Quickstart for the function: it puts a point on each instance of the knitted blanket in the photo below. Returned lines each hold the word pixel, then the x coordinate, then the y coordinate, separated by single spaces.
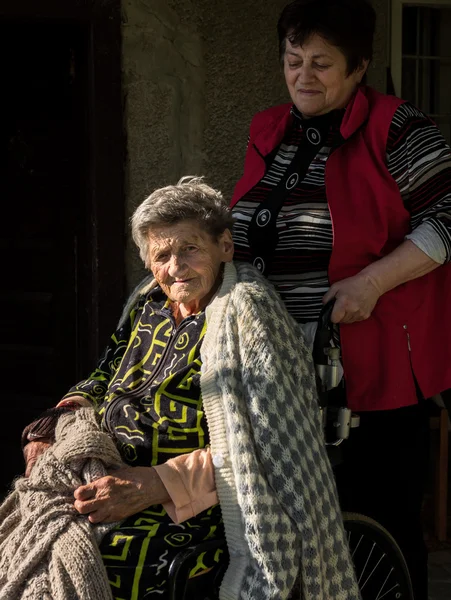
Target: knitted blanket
pixel 48 551
pixel 274 481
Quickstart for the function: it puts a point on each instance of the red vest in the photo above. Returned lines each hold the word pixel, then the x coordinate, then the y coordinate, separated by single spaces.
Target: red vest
pixel 369 221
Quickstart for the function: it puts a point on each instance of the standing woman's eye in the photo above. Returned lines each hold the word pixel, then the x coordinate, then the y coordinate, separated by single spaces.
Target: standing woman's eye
pixel 321 67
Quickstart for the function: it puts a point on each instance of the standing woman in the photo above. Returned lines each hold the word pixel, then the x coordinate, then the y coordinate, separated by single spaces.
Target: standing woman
pixel 346 194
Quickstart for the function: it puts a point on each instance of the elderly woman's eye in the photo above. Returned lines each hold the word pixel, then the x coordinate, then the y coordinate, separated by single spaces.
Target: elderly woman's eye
pixel 191 249
pixel 294 65
pixel 320 66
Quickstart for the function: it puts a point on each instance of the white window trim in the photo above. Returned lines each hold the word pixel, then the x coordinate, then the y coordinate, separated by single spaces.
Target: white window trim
pixel 396 36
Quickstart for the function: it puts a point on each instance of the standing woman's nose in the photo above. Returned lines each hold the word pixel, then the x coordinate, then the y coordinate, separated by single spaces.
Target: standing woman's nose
pixel 305 73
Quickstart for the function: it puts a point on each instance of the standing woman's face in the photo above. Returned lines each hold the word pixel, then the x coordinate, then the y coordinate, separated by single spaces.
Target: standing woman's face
pixel 316 76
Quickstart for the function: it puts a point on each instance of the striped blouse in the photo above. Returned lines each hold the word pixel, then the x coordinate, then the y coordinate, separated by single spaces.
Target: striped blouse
pixel 295 253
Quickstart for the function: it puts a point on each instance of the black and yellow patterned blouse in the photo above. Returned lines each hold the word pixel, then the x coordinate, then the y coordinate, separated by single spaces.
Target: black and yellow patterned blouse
pixel 147 389
pixel 147 385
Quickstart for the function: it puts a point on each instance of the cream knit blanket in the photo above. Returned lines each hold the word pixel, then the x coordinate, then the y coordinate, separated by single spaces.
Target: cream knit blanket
pixel 274 481
pixel 47 550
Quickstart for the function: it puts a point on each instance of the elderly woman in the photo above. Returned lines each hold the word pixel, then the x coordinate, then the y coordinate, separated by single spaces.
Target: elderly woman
pixel 207 354
pixel 346 194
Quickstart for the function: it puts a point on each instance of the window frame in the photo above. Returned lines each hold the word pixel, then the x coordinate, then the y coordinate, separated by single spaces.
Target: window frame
pixel 396 36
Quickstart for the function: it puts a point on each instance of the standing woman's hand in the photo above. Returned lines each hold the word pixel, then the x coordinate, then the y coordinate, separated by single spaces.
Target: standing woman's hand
pixel 121 494
pixel 355 298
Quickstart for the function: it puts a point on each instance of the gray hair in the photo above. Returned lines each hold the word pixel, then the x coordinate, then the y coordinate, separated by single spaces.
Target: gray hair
pixel 190 199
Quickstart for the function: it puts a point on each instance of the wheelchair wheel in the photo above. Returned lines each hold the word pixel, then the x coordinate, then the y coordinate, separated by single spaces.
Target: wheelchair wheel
pixel 380 566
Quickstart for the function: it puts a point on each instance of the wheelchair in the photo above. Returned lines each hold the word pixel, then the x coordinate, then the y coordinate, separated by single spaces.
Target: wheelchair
pixel 380 567
pixel 379 564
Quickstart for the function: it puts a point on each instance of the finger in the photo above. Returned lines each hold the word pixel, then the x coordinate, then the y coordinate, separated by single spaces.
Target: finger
pixel 338 313
pixel 34 449
pixel 85 492
pixel 329 295
pixel 347 320
pixel 100 517
pixel 31 452
pixel 84 508
pixel 354 318
pixel 29 467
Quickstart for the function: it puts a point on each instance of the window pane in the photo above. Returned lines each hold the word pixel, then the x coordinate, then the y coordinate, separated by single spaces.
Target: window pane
pixel 426 62
pixel 426 31
pixel 435 86
pixel 444 124
pixel 434 31
pixel 409 80
pixel 409 30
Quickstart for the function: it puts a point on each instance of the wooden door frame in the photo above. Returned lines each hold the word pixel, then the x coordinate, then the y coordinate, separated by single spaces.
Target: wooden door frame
pixel 101 260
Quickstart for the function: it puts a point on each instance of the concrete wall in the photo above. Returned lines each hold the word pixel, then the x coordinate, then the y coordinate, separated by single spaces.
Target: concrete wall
pixel 377 73
pixel 194 74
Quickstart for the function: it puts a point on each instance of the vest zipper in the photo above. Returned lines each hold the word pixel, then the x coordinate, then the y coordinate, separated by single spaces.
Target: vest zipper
pixel 408 337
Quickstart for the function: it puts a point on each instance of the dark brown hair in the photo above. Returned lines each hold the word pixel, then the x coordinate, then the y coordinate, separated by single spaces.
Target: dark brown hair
pixel 347 24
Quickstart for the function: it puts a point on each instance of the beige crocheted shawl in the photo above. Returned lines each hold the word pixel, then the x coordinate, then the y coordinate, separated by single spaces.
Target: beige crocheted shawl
pixel 47 550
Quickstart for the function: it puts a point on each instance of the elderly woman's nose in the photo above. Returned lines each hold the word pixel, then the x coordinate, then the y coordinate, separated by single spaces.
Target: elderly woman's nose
pixel 176 265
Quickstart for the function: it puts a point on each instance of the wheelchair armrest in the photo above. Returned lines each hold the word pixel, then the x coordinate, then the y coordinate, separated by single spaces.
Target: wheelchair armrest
pixel 180 566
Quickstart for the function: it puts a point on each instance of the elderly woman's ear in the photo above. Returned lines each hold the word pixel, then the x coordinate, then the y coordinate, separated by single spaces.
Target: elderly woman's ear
pixel 225 241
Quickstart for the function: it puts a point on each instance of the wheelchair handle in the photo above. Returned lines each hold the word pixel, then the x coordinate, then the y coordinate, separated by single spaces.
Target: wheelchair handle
pixel 323 334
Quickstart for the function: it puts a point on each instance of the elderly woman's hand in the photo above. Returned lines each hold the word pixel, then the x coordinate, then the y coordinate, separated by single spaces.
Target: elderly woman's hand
pixel 32 451
pixel 121 494
pixel 355 298
pixel 40 434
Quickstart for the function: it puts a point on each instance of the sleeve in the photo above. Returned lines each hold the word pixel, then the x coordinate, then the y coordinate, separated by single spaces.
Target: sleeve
pixel 419 159
pixel 190 482
pixel 95 387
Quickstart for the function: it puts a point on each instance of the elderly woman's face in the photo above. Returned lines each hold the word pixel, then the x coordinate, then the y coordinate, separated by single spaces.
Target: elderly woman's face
pixel 185 260
pixel 316 76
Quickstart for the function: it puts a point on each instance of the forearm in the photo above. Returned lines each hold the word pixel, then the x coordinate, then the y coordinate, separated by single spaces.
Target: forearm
pixel 152 486
pixel 405 263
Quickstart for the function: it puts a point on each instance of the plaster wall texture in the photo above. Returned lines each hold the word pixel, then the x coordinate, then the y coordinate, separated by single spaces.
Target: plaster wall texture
pixel 194 73
pixel 377 72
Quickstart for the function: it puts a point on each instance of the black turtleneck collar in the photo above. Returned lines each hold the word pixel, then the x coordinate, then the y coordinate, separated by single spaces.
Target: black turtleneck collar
pixel 316 128
pixel 331 118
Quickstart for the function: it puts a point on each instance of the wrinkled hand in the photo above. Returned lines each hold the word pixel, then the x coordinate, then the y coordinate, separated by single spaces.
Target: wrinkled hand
pixel 121 494
pixel 32 451
pixel 40 434
pixel 355 298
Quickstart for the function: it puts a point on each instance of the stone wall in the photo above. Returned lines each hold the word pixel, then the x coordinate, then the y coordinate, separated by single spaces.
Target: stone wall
pixel 194 74
pixel 377 73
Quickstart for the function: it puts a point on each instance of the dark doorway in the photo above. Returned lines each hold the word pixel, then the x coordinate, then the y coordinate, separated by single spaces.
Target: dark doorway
pixel 42 144
pixel 54 275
